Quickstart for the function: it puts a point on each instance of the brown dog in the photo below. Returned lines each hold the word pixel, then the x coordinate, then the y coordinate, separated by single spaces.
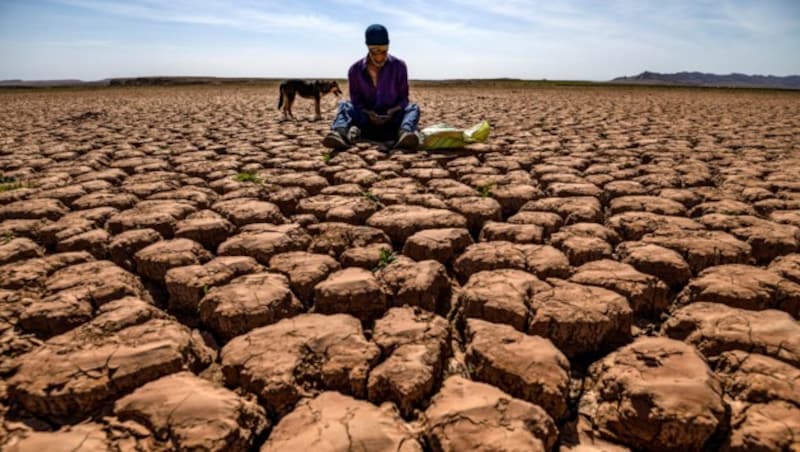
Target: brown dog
pixel 310 90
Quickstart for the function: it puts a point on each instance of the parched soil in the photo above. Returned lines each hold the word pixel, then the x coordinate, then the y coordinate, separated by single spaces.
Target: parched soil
pixel 614 269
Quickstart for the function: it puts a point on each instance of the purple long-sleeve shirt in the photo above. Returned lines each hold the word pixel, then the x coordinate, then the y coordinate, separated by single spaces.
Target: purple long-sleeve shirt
pixel 392 89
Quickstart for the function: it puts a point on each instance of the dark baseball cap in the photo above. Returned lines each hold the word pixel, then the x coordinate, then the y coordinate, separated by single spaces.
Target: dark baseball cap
pixel 377 35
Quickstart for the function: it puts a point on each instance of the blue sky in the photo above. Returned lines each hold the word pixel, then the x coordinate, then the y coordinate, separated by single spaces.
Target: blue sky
pixel 533 39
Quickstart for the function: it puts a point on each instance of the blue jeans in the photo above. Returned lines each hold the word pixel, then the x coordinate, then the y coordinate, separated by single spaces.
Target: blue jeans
pixel 348 115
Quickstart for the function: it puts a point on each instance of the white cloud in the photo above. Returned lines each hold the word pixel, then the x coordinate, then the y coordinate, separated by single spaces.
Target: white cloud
pixel 250 18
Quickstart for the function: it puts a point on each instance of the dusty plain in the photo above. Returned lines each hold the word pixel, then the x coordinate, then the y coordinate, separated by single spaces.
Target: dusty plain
pixel 615 269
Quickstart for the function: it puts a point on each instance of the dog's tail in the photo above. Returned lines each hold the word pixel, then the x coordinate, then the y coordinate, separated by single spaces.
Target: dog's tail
pixel 280 97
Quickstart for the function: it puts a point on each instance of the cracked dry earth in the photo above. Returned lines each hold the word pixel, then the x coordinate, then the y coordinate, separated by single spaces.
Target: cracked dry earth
pixel 615 269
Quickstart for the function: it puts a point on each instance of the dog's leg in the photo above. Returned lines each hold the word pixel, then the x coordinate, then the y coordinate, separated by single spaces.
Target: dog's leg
pixel 289 103
pixel 317 114
pixel 283 104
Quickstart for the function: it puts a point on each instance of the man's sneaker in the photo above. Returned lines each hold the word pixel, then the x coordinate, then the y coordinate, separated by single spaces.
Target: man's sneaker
pixel 407 140
pixel 353 134
pixel 334 140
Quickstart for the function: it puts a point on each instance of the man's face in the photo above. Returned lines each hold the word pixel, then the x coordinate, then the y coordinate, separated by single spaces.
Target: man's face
pixel 378 54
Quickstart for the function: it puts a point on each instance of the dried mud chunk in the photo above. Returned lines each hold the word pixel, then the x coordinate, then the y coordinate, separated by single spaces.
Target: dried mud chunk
pixel 159 215
pixel 415 343
pixel 209 232
pixel 570 189
pixel 725 207
pixel 745 287
pixel 56 314
pixel 508 232
pixel 19 249
pixel 791 217
pixel 199 197
pixel 545 261
pixel 702 249
pixel 119 201
pixel 438 244
pixel 656 394
pixel 298 357
pixel 619 188
pixel 576 209
pixel 594 230
pixel 653 204
pixel 477 210
pixel 501 296
pixel 550 222
pixel 512 197
pixel 788 267
pixel 580 250
pixel 354 291
pixel 262 241
pixel 193 413
pixel 248 302
pixel 334 422
pixel 334 238
pixel 767 239
pixel 347 209
pixel 304 270
pixel 287 199
pixel 311 182
pixel 716 328
pixel 401 221
pixel 406 377
pixel 128 344
pixel 81 437
pixel 449 188
pixel 33 209
pixel 663 263
pixel 68 226
pixel 530 368
pixel 685 196
pixel 29 229
pixel 424 284
pixel 94 242
pixel 32 271
pixel 466 415
pixel 646 294
pixel 580 319
pixel 187 285
pixel 764 427
pixel 489 256
pixel 370 257
pixel 359 176
pixel 67 195
pixel 124 246
pixel 755 378
pixel 247 211
pixel 154 260
pixel 635 225
pixel 101 280
pixel 410 325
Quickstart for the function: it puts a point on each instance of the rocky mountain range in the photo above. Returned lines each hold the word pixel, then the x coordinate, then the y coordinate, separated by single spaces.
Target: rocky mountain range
pixel 712 80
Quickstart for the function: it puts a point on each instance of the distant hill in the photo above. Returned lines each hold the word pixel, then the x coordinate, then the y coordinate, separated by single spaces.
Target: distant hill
pixel 47 83
pixel 134 81
pixel 713 80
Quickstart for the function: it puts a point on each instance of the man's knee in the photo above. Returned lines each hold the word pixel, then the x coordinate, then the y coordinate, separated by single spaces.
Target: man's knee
pixel 345 105
pixel 412 107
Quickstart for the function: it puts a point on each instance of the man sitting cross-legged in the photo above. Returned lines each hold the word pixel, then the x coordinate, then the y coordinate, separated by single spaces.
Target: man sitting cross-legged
pixel 378 108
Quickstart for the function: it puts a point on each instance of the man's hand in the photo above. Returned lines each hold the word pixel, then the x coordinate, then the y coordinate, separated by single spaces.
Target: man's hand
pixel 376 119
pixel 391 112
